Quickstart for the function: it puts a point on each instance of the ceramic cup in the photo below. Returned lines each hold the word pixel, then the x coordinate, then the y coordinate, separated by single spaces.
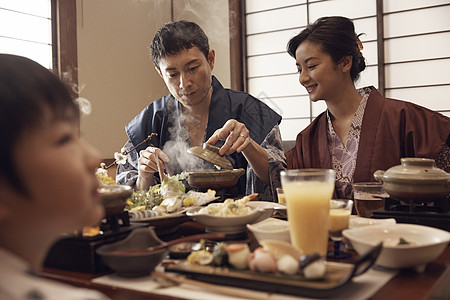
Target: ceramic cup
pixel 368 196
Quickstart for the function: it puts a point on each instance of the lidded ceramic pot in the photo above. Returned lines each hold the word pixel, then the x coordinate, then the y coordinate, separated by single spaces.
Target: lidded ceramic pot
pixel 416 179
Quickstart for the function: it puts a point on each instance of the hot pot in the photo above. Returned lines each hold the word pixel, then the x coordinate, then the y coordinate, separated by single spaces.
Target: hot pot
pixel 214 179
pixel 416 179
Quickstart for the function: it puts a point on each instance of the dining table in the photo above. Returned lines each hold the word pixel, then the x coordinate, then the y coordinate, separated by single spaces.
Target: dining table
pixel 432 283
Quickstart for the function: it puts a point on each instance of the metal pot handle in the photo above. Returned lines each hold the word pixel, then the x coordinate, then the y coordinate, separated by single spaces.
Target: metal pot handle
pixel 378 175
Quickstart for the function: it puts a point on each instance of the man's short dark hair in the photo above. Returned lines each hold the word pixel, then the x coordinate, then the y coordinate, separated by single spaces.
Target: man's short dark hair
pixel 175 37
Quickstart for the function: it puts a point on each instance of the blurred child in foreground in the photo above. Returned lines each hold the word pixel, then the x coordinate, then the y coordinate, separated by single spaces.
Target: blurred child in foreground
pixel 47 178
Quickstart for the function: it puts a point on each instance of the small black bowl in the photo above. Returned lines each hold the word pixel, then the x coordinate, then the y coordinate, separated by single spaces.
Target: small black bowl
pixel 181 250
pixel 137 264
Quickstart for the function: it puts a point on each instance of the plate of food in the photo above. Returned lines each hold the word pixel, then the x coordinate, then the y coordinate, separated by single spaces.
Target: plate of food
pixel 230 216
pixel 171 206
pixel 164 205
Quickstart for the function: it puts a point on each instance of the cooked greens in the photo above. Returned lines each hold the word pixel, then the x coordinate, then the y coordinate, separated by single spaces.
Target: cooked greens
pixel 171 186
pixel 146 199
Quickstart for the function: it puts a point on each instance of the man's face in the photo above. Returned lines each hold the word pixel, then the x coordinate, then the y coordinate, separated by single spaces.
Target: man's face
pixel 188 75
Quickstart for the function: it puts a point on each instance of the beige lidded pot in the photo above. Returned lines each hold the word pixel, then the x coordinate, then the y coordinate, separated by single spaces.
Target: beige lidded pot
pixel 416 179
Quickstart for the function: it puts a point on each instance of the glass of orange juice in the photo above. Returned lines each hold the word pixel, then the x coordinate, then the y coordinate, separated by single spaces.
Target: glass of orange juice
pixel 340 211
pixel 308 193
pixel 280 195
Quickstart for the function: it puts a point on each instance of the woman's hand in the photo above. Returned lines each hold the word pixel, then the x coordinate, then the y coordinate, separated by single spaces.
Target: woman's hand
pixel 151 160
pixel 235 135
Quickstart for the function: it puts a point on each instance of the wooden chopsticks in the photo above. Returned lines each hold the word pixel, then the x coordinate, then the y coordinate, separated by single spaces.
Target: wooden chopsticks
pixel 216 288
pixel 161 170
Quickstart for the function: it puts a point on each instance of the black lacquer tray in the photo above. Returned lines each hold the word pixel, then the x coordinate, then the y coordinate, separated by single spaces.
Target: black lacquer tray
pixel 337 275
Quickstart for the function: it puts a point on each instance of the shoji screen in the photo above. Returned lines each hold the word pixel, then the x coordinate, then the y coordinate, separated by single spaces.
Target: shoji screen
pixel 417 52
pixel 26 29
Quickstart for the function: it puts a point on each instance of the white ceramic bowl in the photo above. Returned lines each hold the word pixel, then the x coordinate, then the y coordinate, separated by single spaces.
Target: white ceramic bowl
pixel 265 205
pixel 279 210
pixel 425 244
pixel 357 221
pixel 228 225
pixel 271 229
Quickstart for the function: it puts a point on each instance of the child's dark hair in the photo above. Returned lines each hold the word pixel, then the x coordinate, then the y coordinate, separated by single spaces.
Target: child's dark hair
pixel 29 95
pixel 175 37
pixel 336 36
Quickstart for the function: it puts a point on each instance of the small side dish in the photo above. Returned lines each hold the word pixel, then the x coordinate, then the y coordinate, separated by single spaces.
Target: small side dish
pixel 133 265
pixel 270 229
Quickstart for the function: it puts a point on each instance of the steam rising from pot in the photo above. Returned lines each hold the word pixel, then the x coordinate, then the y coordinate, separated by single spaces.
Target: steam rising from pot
pixel 177 147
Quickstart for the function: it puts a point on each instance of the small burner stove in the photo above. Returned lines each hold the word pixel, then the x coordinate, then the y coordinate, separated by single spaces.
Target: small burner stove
pixel 434 214
pixel 77 252
pixel 115 224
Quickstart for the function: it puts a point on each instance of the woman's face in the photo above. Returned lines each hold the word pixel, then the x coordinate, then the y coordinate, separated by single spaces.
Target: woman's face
pixel 318 73
pixel 188 75
pixel 58 170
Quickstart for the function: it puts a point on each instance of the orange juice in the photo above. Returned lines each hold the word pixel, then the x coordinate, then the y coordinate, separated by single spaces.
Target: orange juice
pixel 339 219
pixel 281 197
pixel 308 207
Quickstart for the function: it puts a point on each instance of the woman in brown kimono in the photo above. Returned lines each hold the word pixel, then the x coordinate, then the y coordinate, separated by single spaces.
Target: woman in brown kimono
pixel 361 131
